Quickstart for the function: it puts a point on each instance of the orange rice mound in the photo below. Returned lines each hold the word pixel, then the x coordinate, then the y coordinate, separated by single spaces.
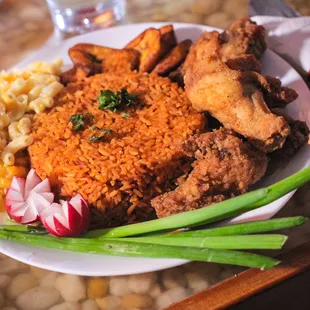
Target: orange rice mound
pixel 141 159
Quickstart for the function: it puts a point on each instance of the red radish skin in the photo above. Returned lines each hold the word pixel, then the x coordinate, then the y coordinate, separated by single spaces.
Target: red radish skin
pixel 85 215
pixel 68 218
pixel 74 217
pixel 31 200
pixel 61 230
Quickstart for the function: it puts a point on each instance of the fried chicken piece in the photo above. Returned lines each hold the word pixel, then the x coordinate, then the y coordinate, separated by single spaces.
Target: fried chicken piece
pixel 243 37
pixel 242 45
pixel 275 94
pixel 241 48
pixel 244 63
pixel 298 138
pixel 231 96
pixel 225 166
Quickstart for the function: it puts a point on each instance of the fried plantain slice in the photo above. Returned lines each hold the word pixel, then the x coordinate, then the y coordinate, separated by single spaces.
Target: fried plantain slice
pixel 153 44
pixel 168 38
pixel 135 42
pixel 109 59
pixel 77 73
pixel 174 58
pixel 148 44
pixel 177 75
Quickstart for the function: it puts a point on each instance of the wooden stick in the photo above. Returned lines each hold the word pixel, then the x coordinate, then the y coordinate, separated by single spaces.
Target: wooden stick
pixel 248 283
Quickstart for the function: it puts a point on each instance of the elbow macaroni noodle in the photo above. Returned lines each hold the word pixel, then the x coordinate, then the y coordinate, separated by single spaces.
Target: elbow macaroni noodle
pixel 22 92
pixel 13 147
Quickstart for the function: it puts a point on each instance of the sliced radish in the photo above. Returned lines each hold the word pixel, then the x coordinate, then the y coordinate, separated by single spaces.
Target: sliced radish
pixel 31 200
pixel 32 181
pixel 26 199
pixel 36 202
pixel 42 187
pixel 48 196
pixel 67 218
pixel 18 184
pixel 14 195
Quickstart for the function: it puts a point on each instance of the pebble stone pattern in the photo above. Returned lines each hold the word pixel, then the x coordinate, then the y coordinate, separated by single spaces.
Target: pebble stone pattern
pixel 25 26
pixel 24 287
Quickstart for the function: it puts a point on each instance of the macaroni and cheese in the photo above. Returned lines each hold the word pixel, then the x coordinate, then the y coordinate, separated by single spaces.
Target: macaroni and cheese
pixel 22 93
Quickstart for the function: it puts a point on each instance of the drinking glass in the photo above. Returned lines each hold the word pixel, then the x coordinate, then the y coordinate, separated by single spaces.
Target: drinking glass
pixel 79 16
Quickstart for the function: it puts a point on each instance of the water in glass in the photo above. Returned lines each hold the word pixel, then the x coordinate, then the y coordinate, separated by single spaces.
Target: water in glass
pixel 80 16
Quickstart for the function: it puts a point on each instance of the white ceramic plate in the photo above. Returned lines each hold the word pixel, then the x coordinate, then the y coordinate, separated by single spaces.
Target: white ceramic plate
pixel 102 265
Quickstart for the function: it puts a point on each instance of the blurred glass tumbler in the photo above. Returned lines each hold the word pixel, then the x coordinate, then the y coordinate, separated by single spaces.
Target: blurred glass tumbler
pixel 80 16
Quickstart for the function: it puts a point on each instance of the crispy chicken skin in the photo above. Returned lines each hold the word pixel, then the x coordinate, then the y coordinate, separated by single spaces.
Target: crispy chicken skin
pixel 298 138
pixel 225 166
pixel 275 95
pixel 231 96
pixel 243 37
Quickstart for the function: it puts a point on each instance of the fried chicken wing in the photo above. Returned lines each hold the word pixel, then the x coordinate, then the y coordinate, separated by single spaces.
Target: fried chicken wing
pixel 231 96
pixel 243 37
pixel 298 138
pixel 275 95
pixel 244 63
pixel 242 46
pixel 225 166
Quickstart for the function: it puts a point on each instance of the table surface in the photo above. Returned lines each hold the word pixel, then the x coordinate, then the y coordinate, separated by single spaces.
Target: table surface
pixel 24 27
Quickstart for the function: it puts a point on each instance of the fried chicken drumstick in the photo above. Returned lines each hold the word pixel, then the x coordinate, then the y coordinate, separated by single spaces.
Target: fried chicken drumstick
pixel 222 77
pixel 225 166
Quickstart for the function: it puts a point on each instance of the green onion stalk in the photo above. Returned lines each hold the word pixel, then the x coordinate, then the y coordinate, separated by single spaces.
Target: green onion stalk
pixel 252 242
pixel 226 209
pixel 122 247
pixel 213 213
pixel 244 229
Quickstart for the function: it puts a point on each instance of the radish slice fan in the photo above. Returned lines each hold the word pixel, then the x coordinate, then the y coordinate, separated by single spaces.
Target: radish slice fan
pixel 31 200
pixel 67 218
pixel 26 199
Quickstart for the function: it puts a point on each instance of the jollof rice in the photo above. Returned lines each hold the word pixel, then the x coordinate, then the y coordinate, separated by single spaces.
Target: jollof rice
pixel 140 160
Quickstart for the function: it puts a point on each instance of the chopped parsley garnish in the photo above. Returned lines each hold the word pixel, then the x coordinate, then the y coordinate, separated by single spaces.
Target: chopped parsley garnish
pixel 102 132
pixel 80 120
pixel 108 100
pixel 125 115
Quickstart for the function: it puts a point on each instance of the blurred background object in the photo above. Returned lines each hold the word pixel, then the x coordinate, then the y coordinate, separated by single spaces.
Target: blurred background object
pixel 26 25
pixel 79 16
